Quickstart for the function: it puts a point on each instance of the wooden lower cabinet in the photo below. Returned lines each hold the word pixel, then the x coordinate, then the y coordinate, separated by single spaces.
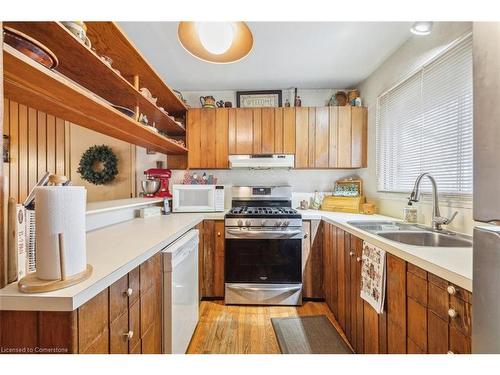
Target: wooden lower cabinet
pixel 211 265
pixel 124 318
pixel 312 259
pixel 423 313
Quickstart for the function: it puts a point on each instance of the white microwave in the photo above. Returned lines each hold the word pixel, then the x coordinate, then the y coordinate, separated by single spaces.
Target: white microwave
pixel 197 198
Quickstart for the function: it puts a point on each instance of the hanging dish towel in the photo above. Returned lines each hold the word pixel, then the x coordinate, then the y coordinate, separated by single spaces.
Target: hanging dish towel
pixel 373 276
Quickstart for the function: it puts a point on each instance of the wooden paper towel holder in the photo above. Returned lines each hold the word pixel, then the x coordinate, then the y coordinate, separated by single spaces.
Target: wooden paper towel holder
pixel 32 284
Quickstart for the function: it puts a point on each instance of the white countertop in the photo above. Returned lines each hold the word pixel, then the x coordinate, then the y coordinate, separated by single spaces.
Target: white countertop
pixel 118 204
pixel 115 250
pixel 451 263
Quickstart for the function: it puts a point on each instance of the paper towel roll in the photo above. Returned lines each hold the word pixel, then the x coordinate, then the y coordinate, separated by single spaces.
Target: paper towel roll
pixel 60 209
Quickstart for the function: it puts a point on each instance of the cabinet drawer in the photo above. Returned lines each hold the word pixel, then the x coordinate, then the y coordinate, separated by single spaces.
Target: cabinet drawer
pixel 438 301
pixel 417 271
pixel 118 299
pixel 134 285
pixel 437 281
pixel 417 288
pixel 150 271
pixel 462 319
pixel 118 341
pixel 460 293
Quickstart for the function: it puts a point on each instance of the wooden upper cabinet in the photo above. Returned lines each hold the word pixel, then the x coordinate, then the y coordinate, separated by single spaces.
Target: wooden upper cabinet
pixel 331 137
pixel 207 138
pixel 320 137
pixel 302 137
pixel 221 138
pixel 244 131
pixel 267 131
pixel 288 130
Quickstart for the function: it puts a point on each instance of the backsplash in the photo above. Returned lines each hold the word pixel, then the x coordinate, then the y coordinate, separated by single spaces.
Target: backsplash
pixel 300 180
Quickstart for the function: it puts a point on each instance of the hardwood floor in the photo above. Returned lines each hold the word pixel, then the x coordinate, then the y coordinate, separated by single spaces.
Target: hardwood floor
pixel 245 329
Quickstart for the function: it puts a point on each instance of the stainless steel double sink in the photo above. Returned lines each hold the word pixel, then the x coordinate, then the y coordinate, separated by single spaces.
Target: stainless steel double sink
pixel 413 234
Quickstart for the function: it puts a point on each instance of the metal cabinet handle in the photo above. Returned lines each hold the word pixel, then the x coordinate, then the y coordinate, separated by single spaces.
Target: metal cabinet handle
pixel 128 335
pixel 451 290
pixel 452 313
pixel 128 292
pixel 306 235
pixel 351 253
pixel 358 259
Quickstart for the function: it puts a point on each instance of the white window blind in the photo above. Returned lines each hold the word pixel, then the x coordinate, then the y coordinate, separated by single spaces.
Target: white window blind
pixel 424 124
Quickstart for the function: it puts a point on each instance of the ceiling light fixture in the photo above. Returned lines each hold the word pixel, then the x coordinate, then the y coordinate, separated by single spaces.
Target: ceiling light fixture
pixel 216 42
pixel 422 28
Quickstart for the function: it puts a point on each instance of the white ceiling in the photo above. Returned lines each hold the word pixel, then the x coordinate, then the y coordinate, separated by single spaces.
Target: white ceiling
pixel 285 54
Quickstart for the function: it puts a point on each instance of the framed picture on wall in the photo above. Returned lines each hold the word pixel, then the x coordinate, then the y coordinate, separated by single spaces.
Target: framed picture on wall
pixel 262 98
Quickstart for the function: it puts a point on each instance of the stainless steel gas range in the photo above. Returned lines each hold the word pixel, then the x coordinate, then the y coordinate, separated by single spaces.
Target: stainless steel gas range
pixel 263 250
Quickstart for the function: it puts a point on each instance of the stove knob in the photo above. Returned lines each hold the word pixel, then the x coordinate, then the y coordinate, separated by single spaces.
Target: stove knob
pixel 263 223
pixel 248 223
pixel 286 223
pixel 279 223
pixel 240 223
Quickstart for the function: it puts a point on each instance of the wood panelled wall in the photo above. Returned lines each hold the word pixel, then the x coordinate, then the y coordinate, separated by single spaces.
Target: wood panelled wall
pixel 40 142
pixel 37 145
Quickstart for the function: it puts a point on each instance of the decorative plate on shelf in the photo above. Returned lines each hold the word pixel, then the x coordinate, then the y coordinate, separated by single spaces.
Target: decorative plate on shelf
pixel 30 47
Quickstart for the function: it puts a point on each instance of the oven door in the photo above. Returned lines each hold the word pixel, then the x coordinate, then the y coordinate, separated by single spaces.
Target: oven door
pixel 263 256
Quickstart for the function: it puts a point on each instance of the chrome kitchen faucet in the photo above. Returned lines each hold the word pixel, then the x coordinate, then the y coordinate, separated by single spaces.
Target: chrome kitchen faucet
pixel 437 219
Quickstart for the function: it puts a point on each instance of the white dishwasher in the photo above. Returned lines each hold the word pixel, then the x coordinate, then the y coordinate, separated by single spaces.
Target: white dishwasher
pixel 180 292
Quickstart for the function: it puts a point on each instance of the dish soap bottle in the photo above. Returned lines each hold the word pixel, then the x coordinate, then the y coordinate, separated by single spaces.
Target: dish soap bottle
pixel 410 214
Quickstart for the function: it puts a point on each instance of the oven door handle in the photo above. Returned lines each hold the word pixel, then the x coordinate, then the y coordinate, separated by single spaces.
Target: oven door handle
pixel 275 233
pixel 256 289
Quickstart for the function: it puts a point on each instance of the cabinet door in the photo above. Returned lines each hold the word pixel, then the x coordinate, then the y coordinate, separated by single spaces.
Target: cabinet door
pixel 358 249
pixel 221 138
pixel 359 118
pixel 208 136
pixel 312 265
pixel 267 131
pixel 341 279
pixel 312 138
pixel 301 137
pixel 193 136
pixel 321 147
pixel 219 259
pixel 278 131
pixel 327 265
pixel 244 131
pixel 257 130
pixel 347 283
pixel 344 137
pixel 396 305
pixel 213 258
pixel 333 125
pixel 289 130
pixel 93 323
pixel 151 305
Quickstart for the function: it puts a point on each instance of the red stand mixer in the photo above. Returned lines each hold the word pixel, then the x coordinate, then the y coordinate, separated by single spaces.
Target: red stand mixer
pixel 156 183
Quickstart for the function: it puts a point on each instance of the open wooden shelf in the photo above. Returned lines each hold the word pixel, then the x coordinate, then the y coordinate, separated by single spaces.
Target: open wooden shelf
pixel 84 66
pixel 30 83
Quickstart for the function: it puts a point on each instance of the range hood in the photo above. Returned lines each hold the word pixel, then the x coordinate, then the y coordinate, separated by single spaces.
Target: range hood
pixel 261 161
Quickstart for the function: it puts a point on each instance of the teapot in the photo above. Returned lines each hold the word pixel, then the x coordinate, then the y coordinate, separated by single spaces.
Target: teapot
pixel 207 101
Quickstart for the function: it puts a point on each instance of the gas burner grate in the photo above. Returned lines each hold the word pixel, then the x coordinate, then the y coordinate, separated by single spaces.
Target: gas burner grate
pixel 263 211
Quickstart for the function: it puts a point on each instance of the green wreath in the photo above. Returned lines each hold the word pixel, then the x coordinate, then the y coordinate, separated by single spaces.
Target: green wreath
pixel 88 165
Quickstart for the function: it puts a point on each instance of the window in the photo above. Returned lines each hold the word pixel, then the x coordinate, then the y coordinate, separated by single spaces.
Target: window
pixel 424 124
